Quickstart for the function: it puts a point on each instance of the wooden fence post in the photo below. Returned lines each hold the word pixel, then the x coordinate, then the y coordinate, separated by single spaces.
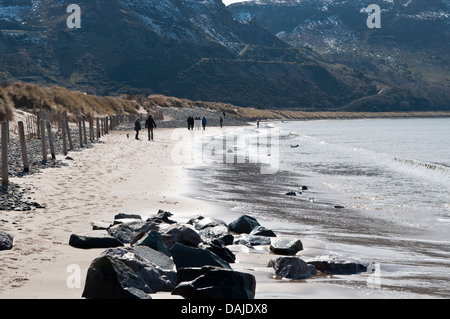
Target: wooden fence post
pixel 98 128
pixel 44 145
pixel 23 147
pixel 80 132
pixel 84 131
pixel 50 140
pixel 91 128
pixel 38 126
pixel 64 137
pixel 5 180
pixel 69 135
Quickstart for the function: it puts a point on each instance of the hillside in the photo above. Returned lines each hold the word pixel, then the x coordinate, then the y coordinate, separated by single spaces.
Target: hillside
pixel 195 50
pixel 409 53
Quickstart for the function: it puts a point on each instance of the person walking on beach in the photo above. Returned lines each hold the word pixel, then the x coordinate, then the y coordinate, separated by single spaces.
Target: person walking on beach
pixel 150 124
pixel 137 127
pixel 221 121
pixel 190 122
pixel 204 122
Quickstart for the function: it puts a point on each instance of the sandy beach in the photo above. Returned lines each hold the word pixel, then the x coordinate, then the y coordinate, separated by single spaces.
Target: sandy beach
pixel 123 175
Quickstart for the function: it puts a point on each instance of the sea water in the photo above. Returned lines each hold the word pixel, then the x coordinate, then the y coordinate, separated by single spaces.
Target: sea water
pixel 377 190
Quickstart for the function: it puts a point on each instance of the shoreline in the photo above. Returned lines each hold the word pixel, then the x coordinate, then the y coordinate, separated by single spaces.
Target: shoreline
pixel 92 187
pixel 122 175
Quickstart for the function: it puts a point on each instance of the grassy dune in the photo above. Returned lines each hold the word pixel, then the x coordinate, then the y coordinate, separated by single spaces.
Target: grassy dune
pixel 31 97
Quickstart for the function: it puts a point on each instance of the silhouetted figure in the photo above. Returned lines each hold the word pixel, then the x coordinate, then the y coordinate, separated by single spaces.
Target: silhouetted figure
pixel 221 121
pixel 137 127
pixel 190 122
pixel 150 124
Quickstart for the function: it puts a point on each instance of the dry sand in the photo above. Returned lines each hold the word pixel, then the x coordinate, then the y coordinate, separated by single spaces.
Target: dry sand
pixel 118 175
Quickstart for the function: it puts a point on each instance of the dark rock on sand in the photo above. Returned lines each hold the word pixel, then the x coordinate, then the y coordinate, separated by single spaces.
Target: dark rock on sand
pixel 148 226
pixel 285 246
pixel 96 225
pixel 159 259
pixel 182 234
pixel 6 241
pixel 218 248
pixel 304 188
pixel 147 268
pixel 127 216
pixel 338 267
pixel 111 278
pixel 251 240
pixel 292 268
pixel 209 222
pixel 185 256
pixel 291 194
pixel 215 283
pixel 220 232
pixel 244 224
pixel 126 231
pixel 154 240
pixel 89 242
pixel 262 231
pixel 162 217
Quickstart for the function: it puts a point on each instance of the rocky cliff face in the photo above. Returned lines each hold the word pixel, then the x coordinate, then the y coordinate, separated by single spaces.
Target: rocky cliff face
pixel 410 50
pixel 190 49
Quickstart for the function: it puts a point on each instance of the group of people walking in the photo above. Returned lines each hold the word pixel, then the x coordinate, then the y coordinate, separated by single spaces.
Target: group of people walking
pixel 149 124
pixel 194 123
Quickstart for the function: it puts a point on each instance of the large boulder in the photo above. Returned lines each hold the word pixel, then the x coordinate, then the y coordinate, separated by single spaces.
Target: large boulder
pixel 90 242
pixel 6 241
pixel 218 248
pixel 333 267
pixel 185 256
pixel 126 231
pixel 292 268
pixel 147 267
pixel 182 234
pixel 209 222
pixel 244 224
pixel 215 283
pixel 111 278
pixel 251 240
pixel 154 240
pixel 262 231
pixel 219 232
pixel 148 226
pixel 155 257
pixel 285 246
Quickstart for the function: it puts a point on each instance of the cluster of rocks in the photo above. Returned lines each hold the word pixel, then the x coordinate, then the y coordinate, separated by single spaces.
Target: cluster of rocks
pixel 12 197
pixel 191 260
pixel 159 254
